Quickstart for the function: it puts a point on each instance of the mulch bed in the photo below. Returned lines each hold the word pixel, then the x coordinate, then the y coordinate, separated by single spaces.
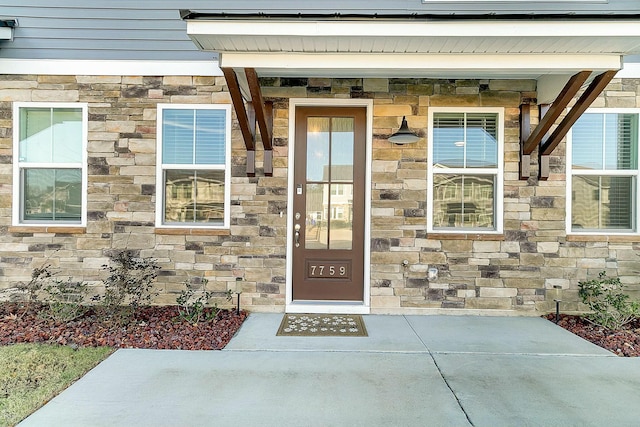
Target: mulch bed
pixel 153 327
pixel 625 342
pixel 159 328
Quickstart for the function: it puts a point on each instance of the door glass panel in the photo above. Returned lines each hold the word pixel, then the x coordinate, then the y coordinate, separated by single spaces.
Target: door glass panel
pixel 341 218
pixel 342 137
pixel 317 148
pixel 316 233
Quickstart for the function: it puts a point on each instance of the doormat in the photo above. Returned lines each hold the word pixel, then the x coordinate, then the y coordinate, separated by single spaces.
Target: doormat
pixel 322 325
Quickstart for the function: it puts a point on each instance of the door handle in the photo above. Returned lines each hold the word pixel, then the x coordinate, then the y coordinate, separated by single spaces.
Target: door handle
pixel 296 235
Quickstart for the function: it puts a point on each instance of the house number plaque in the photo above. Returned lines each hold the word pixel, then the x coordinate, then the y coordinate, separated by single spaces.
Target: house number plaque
pixel 327 269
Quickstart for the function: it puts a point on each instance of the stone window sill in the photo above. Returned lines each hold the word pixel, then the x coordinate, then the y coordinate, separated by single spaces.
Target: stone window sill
pixel 611 238
pixel 464 236
pixel 193 231
pixel 57 229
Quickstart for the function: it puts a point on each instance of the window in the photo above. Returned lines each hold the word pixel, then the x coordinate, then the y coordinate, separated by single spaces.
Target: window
pixel 194 151
pixel 603 171
pixel 50 171
pixel 466 168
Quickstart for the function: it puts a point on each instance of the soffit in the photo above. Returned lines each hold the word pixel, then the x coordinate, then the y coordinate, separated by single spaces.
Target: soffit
pixel 400 48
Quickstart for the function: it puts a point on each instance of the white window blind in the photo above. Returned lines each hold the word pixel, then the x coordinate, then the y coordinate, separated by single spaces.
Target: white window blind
pixel 605 142
pixel 604 172
pixel 465 140
pixel 195 137
pixel 465 174
pixel 193 170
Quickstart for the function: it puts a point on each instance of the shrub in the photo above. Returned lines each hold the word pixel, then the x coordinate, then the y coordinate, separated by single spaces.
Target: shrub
pixel 610 306
pixel 39 278
pixel 129 285
pixel 65 299
pixel 193 306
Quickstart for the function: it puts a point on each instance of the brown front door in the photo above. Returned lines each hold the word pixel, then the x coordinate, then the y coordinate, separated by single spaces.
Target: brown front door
pixel 328 203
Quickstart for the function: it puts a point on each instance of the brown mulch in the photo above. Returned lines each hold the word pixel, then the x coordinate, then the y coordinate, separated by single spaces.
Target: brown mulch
pixel 153 327
pixel 624 342
pixel 158 327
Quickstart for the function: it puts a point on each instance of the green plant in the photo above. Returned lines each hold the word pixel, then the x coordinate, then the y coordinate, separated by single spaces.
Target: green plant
pixel 65 299
pixel 32 289
pixel 193 306
pixel 610 306
pixel 130 283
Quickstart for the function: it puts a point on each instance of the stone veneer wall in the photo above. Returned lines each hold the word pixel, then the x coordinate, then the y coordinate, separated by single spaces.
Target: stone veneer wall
pixel 512 271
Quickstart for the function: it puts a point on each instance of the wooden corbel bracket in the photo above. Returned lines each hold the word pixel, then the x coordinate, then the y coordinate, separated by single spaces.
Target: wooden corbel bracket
pixel 547 120
pixel 264 117
pixel 256 110
pixel 245 117
pixel 549 115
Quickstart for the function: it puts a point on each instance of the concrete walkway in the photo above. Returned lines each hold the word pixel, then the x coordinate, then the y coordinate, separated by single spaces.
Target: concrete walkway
pixel 409 371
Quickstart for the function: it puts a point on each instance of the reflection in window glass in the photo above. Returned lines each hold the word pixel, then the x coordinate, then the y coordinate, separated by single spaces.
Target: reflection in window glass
pixel 464 170
pixel 602 202
pixel 52 194
pixel 465 201
pixel 316 225
pixel 341 224
pixel 317 148
pixel 602 199
pixel 193 157
pixel 50 163
pixel 342 140
pixel 329 200
pixel 194 196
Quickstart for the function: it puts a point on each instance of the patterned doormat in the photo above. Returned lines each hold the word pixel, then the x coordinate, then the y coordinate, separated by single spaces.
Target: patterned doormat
pixel 322 325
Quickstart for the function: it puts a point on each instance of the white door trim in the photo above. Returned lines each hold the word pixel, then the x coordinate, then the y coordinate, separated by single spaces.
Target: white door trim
pixel 344 307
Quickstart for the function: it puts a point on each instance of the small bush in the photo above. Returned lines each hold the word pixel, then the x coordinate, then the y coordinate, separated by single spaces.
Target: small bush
pixel 610 306
pixel 32 290
pixel 129 285
pixel 193 306
pixel 65 299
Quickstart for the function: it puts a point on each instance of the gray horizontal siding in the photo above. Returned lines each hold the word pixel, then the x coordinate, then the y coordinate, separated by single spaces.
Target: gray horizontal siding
pixel 152 29
pixel 98 30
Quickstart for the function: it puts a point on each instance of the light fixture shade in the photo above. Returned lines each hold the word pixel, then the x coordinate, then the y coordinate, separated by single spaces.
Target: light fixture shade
pixel 404 134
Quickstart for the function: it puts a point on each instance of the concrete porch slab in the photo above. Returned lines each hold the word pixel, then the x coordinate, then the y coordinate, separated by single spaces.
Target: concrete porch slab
pixel 506 335
pixel 386 334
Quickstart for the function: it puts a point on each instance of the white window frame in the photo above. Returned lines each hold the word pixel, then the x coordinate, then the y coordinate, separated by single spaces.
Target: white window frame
pixel 160 167
pixel 498 171
pixel 17 212
pixel 632 173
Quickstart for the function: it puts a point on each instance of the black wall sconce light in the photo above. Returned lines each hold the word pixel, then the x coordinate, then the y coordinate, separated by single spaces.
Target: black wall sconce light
pixel 404 135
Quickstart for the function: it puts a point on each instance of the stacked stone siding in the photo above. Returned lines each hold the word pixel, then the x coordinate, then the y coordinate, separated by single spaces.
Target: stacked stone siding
pixel 511 271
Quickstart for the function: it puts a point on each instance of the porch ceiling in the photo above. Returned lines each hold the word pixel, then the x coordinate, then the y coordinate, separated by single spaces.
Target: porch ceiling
pixel 417 48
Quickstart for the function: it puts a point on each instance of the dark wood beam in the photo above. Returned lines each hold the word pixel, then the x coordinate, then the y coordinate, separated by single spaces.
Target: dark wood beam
pixel 251 163
pixel 251 154
pixel 265 122
pixel 268 154
pixel 593 91
pixel 543 161
pixel 238 105
pixel 564 97
pixel 525 131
